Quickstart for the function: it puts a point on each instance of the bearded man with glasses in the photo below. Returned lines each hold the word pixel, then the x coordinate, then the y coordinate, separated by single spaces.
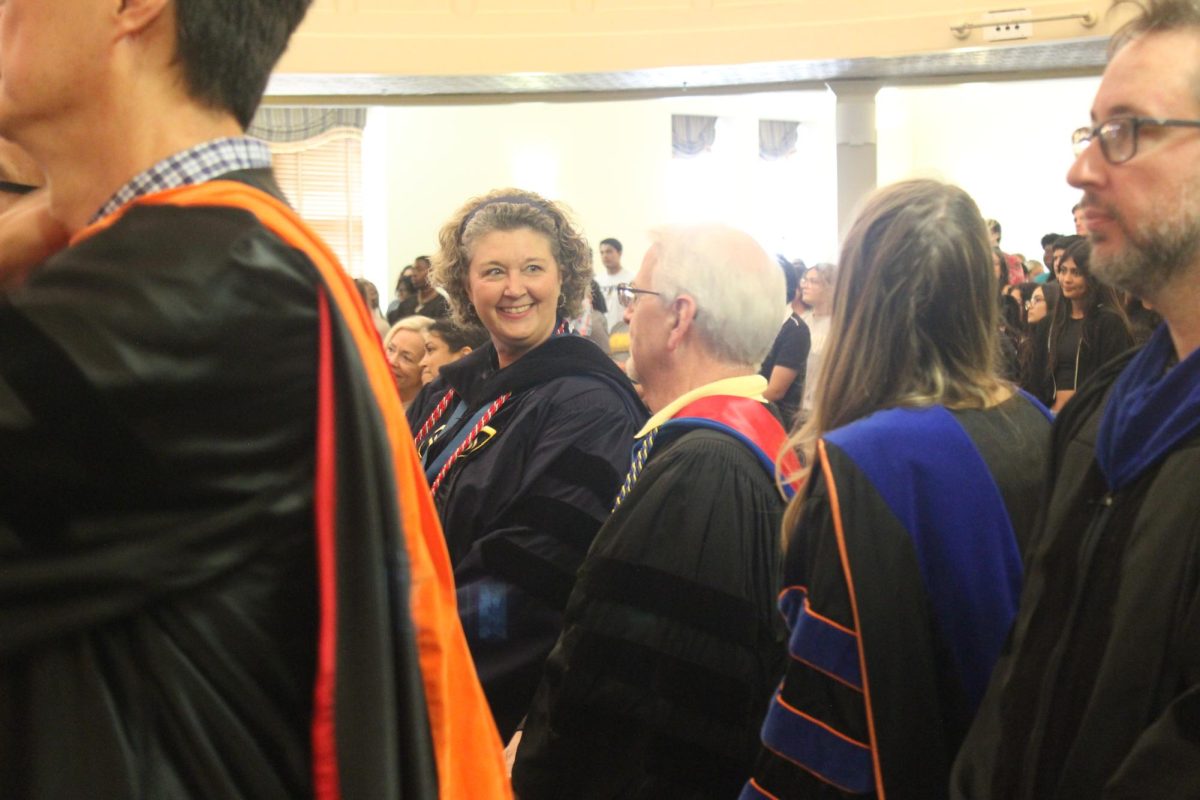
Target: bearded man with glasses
pixel 1098 694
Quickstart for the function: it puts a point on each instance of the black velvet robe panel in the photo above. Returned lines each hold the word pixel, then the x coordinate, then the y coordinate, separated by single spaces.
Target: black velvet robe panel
pixel 158 586
pixel 520 512
pixel 672 644
pixel 1098 692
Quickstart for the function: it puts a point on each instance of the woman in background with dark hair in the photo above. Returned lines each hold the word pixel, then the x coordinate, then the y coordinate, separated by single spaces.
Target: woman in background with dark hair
pixel 1058 249
pixel 1023 293
pixel 903 561
pixel 1041 303
pixel 1039 310
pixel 1087 329
pixel 446 342
pixel 1012 323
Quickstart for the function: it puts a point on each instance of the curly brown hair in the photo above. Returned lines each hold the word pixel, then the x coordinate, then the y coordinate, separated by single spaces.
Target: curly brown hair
pixel 508 210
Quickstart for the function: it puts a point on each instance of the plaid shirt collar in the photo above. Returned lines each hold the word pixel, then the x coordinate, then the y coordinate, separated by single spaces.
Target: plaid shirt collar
pixel 197 164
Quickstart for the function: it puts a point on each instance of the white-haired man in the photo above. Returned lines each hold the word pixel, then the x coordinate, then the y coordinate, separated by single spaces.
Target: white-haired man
pixel 1098 694
pixel 671 647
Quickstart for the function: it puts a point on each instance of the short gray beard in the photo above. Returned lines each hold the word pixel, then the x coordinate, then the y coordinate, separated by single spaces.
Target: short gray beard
pixel 1150 258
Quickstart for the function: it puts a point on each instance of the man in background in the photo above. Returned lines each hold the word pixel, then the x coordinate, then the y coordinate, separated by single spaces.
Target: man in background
pixel 786 363
pixel 426 300
pixel 613 274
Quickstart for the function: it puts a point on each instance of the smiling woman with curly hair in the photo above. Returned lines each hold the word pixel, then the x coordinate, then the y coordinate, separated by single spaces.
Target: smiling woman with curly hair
pixel 526 439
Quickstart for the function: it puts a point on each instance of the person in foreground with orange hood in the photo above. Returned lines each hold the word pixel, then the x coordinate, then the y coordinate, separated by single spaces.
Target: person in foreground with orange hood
pixel 221 574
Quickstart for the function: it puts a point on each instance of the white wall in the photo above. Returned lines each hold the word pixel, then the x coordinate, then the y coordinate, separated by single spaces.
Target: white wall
pixel 1008 144
pixel 610 162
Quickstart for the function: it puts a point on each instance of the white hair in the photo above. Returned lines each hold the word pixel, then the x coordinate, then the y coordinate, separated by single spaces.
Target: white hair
pixel 735 284
pixel 414 322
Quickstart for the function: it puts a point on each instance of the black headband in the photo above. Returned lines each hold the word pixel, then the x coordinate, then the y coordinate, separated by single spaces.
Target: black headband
pixel 513 199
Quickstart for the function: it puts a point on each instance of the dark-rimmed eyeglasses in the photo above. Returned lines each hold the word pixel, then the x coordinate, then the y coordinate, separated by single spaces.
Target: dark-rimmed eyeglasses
pixel 1119 136
pixel 627 295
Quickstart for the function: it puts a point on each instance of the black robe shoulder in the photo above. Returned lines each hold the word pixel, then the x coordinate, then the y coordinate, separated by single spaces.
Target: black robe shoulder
pixel 158 580
pixel 520 511
pixel 672 644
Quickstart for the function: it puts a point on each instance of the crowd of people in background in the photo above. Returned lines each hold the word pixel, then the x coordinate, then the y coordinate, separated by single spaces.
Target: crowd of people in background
pixel 1046 348
pixel 893 620
pixel 911 422
pixel 550 583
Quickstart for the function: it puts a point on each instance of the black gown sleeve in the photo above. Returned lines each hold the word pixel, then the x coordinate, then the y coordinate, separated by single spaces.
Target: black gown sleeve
pixel 552 479
pixel 814 579
pixel 796 341
pixel 1034 377
pixel 1164 761
pixel 658 683
pixel 860 701
pixel 156 560
pixel 1112 338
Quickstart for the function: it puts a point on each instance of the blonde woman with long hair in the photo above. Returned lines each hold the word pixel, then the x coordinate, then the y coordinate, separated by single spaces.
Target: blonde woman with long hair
pixel 904 551
pixel 816 287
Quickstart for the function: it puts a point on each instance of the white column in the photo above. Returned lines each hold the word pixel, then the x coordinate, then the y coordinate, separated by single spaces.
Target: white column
pixel 856 170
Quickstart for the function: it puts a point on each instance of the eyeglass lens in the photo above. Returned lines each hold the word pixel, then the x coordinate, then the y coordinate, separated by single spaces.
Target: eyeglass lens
pixel 1118 139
